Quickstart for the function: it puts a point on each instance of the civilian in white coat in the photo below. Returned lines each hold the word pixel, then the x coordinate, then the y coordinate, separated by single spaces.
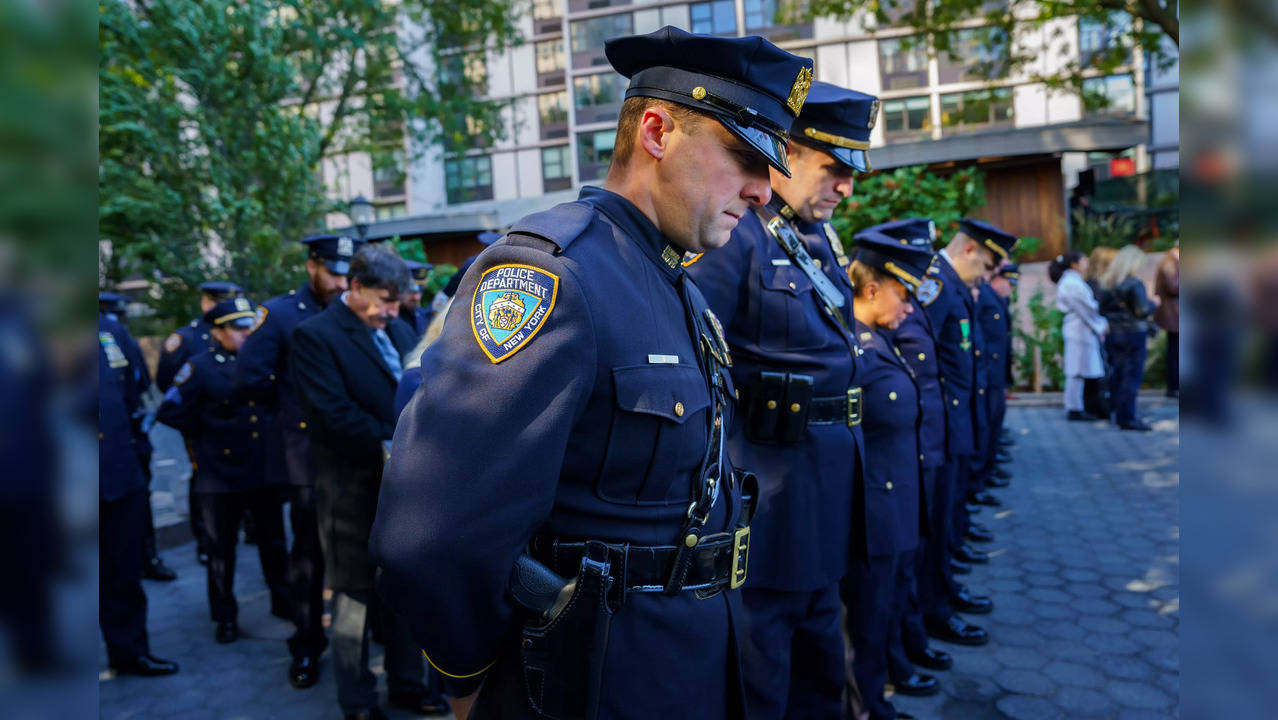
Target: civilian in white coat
pixel 1084 329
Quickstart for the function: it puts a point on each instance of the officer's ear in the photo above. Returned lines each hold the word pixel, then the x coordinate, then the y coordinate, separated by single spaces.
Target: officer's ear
pixel 655 128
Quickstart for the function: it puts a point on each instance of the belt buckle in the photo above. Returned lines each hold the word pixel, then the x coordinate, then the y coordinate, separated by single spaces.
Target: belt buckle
pixel 740 556
pixel 854 406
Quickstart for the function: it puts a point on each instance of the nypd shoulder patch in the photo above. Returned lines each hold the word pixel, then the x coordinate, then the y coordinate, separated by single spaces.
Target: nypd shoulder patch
pixel 172 342
pixel 261 317
pixel 183 374
pixel 510 306
pixel 928 290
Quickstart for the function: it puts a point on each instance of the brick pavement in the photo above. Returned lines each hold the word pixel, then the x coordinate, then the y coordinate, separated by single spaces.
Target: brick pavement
pixel 1084 579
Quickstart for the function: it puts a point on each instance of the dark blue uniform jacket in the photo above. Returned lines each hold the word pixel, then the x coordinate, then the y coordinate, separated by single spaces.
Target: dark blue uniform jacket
pixel 179 346
pixel 594 428
pixel 996 329
pixel 119 398
pixel 918 348
pixel 951 316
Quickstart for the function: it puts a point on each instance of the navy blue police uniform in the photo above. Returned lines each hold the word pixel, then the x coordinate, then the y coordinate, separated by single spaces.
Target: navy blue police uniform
pixel 123 504
pixel 992 319
pixel 925 572
pixel 230 435
pixel 785 304
pixel 418 318
pixel 574 414
pixel 262 376
pixel 875 589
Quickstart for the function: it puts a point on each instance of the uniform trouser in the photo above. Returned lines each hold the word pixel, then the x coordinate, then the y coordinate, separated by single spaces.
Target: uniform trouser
pixel 995 399
pixel 868 592
pixel 198 528
pixel 121 601
pixel 965 485
pixel 356 684
pixel 305 574
pixel 793 655
pixel 936 578
pixel 906 636
pixel 222 514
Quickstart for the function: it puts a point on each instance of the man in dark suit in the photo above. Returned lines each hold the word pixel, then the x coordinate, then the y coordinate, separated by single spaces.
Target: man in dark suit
pixel 346 363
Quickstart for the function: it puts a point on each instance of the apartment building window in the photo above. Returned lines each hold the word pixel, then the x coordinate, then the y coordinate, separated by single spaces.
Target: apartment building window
pixel 468 178
pixel 903 62
pixel 546 16
pixel 975 54
pixel 1110 95
pixel 576 6
pixel 976 110
pixel 550 62
pixel 1097 36
pixel 761 19
pixel 907 119
pixel 594 153
pixel 646 21
pixel 552 111
pixel 556 172
pixel 388 173
pixel 598 98
pixel 714 18
pixel 588 37
pixel 471 65
pixel 391 211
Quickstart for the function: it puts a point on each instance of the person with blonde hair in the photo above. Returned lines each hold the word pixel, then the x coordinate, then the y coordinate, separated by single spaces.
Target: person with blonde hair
pixel 1126 306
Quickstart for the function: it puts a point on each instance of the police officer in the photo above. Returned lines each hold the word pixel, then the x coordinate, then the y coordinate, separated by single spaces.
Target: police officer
pixel 262 375
pixel 788 324
pixel 122 508
pixel 231 449
pixel 973 253
pixel 572 423
pixel 410 305
pixel 885 272
pixel 193 338
pixel 114 306
pixel 996 328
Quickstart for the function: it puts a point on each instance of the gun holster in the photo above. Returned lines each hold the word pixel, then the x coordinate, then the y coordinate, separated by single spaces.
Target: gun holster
pixel 562 647
pixel 777 413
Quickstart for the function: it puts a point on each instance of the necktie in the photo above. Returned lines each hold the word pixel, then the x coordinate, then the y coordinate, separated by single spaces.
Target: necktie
pixel 389 354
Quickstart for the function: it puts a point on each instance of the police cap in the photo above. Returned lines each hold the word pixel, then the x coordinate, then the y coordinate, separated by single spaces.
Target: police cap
pixel 235 312
pixel 420 272
pixel 1000 241
pixel 893 255
pixel 919 232
pixel 112 302
pixel 753 87
pixel 335 251
pixel 221 290
pixel 838 121
pixel 1012 272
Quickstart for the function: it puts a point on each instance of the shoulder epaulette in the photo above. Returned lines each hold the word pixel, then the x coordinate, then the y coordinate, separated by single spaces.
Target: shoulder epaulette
pixel 560 225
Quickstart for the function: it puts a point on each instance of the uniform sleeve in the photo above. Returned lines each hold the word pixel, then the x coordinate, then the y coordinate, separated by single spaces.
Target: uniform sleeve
pixel 261 361
pixel 477 457
pixel 321 391
pixel 180 407
pixel 171 360
pixel 721 276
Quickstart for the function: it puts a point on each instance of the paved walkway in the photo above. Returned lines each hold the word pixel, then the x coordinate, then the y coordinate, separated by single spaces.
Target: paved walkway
pixel 1084 579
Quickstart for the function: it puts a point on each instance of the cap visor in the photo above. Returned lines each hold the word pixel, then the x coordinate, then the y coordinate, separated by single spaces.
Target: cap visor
pixel 857 159
pixel 772 147
pixel 246 322
pixel 339 267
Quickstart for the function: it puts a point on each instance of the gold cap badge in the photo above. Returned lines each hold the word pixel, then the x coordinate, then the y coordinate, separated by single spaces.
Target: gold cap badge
pixel 799 91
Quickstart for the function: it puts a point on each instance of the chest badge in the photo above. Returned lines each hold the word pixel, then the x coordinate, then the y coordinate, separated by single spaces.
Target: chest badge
pixel 510 306
pixel 719 348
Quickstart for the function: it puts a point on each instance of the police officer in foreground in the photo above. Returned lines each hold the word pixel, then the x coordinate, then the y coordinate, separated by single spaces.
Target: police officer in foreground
pixel 231 449
pixel 122 508
pixel 114 306
pixel 262 376
pixel 179 346
pixel 788 325
pixel 885 272
pixel 572 425
pixel 972 254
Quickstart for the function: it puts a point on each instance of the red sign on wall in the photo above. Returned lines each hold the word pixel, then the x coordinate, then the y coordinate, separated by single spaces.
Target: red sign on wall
pixel 1122 167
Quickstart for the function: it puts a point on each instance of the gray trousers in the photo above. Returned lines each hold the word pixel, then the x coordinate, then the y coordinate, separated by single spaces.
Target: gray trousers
pixel 356 684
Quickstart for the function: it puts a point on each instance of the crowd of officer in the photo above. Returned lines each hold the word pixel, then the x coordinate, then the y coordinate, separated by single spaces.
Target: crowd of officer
pixel 686 451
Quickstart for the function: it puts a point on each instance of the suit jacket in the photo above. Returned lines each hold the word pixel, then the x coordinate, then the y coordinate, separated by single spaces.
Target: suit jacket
pixel 347 394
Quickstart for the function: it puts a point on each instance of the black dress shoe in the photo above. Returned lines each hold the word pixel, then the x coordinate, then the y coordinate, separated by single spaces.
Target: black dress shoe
pixel 933 659
pixel 965 601
pixel 1002 473
pixel 303 672
pixel 281 608
pixel 155 569
pixel 369 714
pixel 145 666
pixel 419 700
pixel 227 632
pixel 1002 458
pixel 958 631
pixel 994 481
pixel 984 498
pixel 1136 425
pixel 972 509
pixel 904 716
pixel 959 567
pixel 1080 416
pixel 965 553
pixel 978 533
pixel 917 685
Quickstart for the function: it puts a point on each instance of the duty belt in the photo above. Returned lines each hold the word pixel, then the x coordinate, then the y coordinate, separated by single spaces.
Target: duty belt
pixel 837 409
pixel 718 562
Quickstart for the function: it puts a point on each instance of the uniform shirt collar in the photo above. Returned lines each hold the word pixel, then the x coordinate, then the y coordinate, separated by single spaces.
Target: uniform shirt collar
pixel 635 225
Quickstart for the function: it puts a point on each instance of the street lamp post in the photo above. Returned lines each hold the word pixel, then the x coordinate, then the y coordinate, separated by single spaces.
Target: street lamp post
pixel 361 212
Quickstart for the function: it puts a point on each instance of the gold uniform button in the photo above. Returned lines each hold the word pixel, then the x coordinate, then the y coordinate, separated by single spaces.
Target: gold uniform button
pixel 251 403
pixel 302 425
pixel 255 436
pixel 920 456
pixel 794 408
pixel 956 401
pixel 889 484
pixel 772 404
pixel 252 418
pixel 100 436
pixel 980 391
pixel 995 356
pixel 995 316
pixel 226 451
pixel 817 261
pixel 978 353
pixel 792 286
pixel 678 409
pixel 272 376
pixel 922 356
pixel 892 395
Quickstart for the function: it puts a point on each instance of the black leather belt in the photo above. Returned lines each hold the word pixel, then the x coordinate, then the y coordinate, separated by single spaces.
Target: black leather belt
pixel 836 410
pixel 718 561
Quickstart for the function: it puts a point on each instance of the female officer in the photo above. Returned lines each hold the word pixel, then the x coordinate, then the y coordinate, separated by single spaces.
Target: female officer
pixel 884 272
